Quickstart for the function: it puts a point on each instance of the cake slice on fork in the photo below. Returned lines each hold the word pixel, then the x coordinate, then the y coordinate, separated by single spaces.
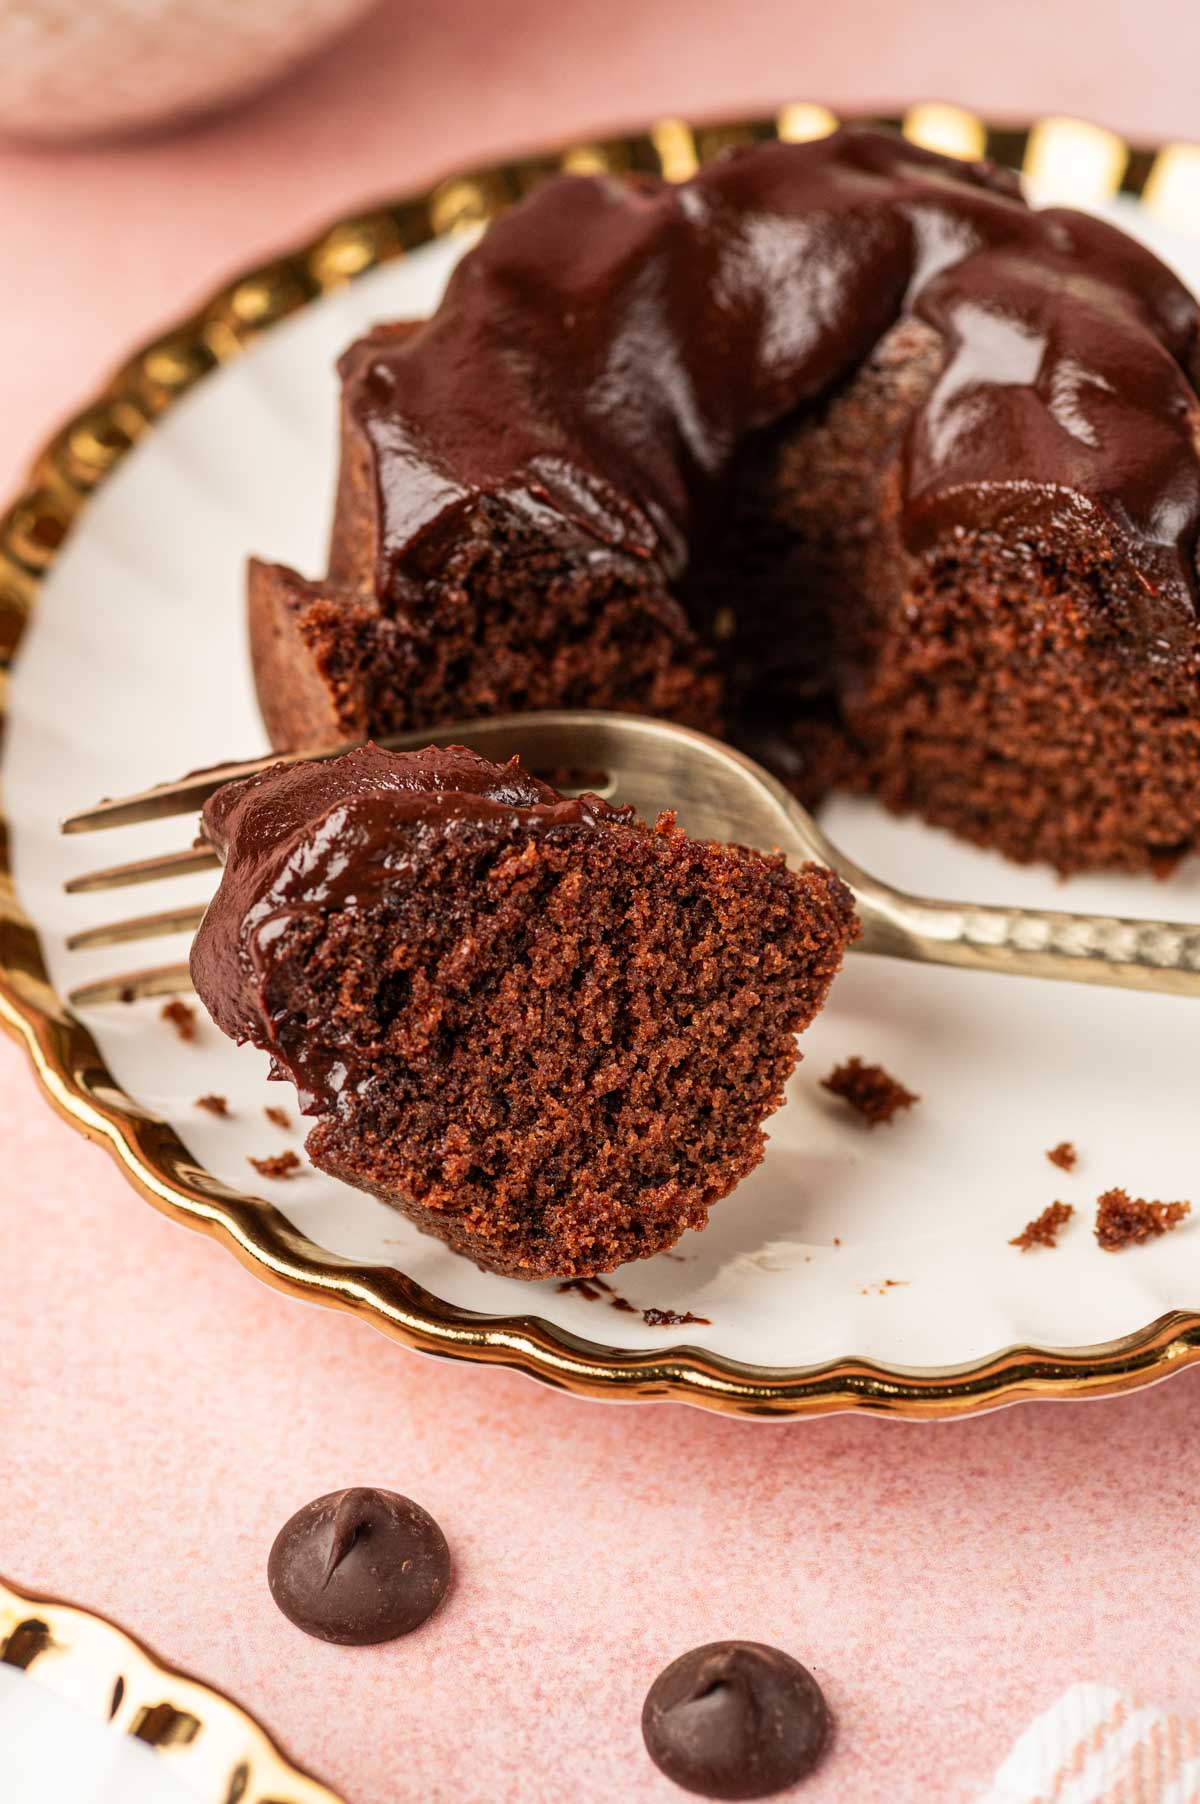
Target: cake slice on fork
pixel 547 1031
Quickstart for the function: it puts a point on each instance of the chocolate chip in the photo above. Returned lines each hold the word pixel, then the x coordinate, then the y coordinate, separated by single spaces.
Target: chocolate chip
pixel 735 1719
pixel 359 1566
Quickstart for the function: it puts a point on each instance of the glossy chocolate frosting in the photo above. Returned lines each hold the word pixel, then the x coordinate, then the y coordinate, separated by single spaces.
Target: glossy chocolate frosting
pixel 333 834
pixel 602 356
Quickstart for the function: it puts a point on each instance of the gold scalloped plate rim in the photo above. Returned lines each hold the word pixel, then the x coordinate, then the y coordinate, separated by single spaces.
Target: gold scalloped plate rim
pixel 65 1058
pixel 215 1745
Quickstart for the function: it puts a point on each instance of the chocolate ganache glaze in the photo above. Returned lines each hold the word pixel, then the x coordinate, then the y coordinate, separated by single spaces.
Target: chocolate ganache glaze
pixel 838 449
pixel 601 358
pixel 314 837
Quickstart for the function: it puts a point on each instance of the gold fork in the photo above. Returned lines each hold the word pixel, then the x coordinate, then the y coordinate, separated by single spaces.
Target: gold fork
pixel 719 794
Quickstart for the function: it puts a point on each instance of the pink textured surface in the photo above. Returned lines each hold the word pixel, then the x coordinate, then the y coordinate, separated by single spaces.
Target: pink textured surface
pixel 161 1412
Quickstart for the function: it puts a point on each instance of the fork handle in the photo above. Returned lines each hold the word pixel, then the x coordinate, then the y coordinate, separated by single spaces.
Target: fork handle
pixel 1029 942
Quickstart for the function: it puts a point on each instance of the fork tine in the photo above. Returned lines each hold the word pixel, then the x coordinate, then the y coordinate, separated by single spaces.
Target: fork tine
pixel 551 739
pixel 138 927
pixel 130 986
pixel 144 870
pixel 183 797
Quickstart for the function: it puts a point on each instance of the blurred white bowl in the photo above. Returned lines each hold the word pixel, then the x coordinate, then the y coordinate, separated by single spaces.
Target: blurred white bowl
pixel 83 68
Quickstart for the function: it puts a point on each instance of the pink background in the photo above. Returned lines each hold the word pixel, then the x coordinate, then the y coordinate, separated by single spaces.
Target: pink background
pixel 161 1412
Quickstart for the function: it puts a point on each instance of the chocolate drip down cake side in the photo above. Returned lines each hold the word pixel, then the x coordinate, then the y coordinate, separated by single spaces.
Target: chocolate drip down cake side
pixel 838 450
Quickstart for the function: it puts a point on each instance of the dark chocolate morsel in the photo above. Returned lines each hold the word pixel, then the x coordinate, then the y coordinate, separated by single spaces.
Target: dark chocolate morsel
pixel 359 1566
pixel 735 1719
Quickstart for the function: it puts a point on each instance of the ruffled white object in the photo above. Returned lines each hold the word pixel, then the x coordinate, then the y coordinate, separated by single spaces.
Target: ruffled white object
pixel 50 1750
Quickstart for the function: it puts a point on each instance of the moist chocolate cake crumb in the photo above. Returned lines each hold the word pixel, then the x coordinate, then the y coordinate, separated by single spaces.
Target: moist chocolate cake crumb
pixel 277 1165
pixel 1042 1231
pixel 667 1318
pixel 1064 1155
pixel 216 1105
pixel 873 1092
pixel 1122 1220
pixel 546 1031
pixel 182 1017
pixel 623 1304
pixel 278 1118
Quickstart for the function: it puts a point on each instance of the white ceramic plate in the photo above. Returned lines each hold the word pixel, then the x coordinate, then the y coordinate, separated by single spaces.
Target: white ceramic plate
pixel 88 1715
pixel 134 669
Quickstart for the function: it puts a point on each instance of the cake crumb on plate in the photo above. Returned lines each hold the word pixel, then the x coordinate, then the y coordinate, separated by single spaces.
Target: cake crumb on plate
pixel 181 1016
pixel 873 1092
pixel 216 1105
pixel 1122 1220
pixel 1042 1231
pixel 1064 1155
pixel 277 1165
pixel 594 1289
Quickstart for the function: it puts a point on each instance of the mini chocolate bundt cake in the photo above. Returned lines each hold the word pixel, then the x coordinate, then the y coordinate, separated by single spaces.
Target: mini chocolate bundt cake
pixel 837 448
pixel 549 1033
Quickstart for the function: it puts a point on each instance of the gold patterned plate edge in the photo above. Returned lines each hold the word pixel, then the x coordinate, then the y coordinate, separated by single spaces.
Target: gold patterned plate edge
pixel 1083 163
pixel 214 1746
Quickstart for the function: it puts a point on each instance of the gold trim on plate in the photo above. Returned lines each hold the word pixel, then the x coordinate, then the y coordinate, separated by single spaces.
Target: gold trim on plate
pixel 1083 163
pixel 216 1748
